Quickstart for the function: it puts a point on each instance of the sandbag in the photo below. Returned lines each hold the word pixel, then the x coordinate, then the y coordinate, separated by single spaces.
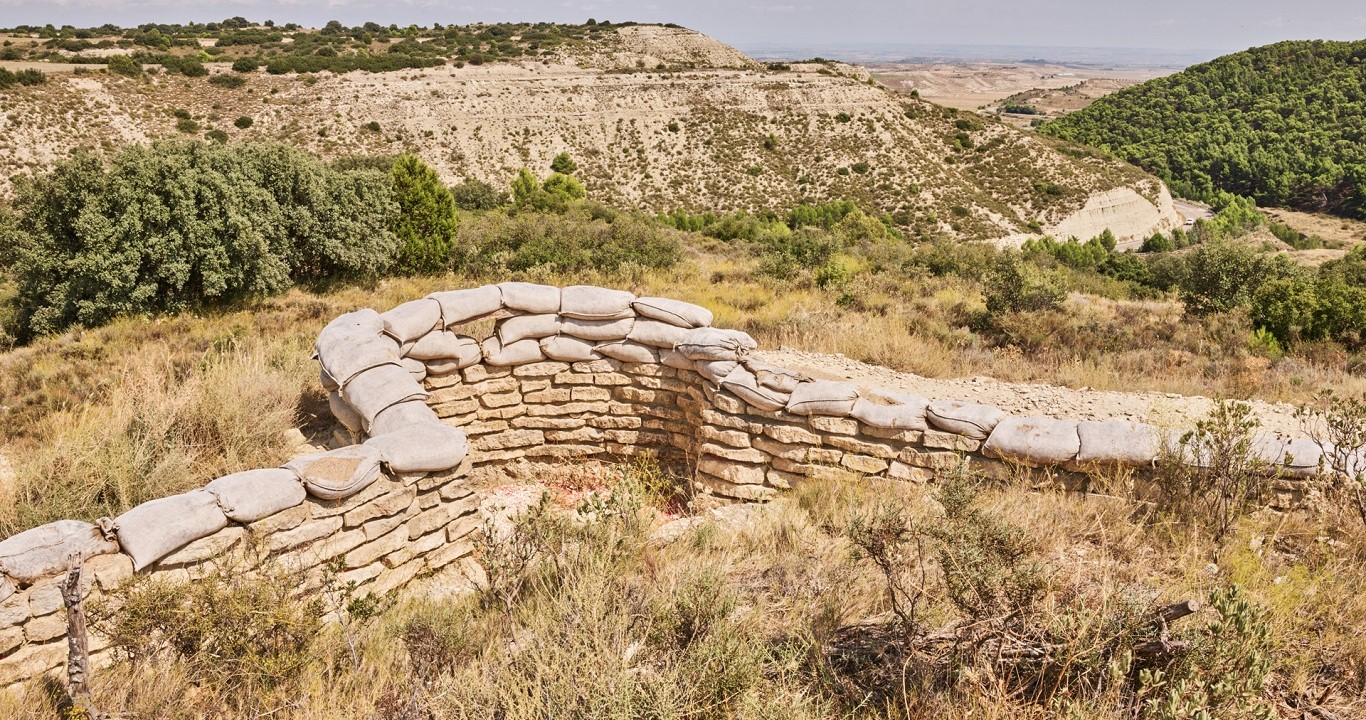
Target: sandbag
pixel 344 413
pixel 352 344
pixel 444 345
pixel 379 387
pixel 46 550
pixel 776 378
pixel 329 383
pixel 676 360
pixel 429 447
pixel 568 349
pixel 251 495
pixel 1119 442
pixel 597 330
pixel 402 416
pixel 627 351
pixel 673 312
pixel 586 302
pixel 1302 458
pixel 715 370
pixel 657 334
pixel 157 528
pixel 462 306
pixel 416 368
pixel 522 327
pixel 412 320
pixel 963 418
pixel 907 415
pixel 742 383
pixel 1034 440
pixel 530 298
pixel 337 474
pixel 522 352
pixel 823 397
pixel 715 344
pixel 446 367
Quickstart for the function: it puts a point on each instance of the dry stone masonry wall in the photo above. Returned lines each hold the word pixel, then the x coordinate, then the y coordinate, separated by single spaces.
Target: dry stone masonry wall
pixel 567 374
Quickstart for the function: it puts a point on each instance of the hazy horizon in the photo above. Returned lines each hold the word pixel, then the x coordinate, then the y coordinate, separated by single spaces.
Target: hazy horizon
pixel 1198 26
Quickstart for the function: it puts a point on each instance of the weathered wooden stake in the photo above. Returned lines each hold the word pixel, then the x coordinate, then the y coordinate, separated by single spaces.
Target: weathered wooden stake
pixel 77 643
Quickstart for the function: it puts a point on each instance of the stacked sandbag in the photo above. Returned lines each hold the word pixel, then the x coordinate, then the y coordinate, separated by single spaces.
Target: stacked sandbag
pixel 48 550
pixel 1118 442
pixel 340 473
pixel 157 528
pixel 823 397
pixel 900 413
pixel 970 420
pixel 250 495
pixel 1034 440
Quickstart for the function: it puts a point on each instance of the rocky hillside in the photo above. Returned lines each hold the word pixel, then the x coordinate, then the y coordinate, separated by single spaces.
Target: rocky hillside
pixel 656 117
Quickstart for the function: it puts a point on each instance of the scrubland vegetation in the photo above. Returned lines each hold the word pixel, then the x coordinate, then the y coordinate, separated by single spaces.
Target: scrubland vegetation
pixel 848 598
pixel 179 48
pixel 1283 124
pixel 160 306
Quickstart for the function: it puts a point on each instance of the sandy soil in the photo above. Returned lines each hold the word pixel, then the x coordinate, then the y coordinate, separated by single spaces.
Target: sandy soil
pixel 1162 409
pixel 977 85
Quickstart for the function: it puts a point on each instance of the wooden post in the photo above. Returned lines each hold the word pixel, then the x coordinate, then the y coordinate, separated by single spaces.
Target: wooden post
pixel 77 643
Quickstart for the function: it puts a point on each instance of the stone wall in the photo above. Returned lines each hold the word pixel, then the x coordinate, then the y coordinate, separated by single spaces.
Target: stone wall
pixel 566 374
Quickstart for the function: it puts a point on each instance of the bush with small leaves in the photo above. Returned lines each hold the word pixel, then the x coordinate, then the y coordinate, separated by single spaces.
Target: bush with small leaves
pixel 426 220
pixel 243 122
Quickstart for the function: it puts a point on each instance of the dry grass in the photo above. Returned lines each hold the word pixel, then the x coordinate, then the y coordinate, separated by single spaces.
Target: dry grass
pixel 755 618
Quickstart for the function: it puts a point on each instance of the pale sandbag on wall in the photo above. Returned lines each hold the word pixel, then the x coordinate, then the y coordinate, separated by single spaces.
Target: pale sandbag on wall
pixel 674 312
pixel 530 298
pixel 155 529
pixel 584 302
pixel 598 330
pixel 339 473
pixel 1119 442
pixel 908 414
pixel 823 397
pixel 522 352
pixel 46 550
pixel 446 345
pixel 411 320
pixel 380 387
pixel 970 420
pixel 716 344
pixel 628 351
pixel 430 447
pixel 461 306
pixel 250 495
pixel 745 386
pixel 522 327
pixel 568 349
pixel 1034 440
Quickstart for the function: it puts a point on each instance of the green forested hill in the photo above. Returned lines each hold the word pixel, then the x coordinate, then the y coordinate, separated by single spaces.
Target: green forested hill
pixel 1283 123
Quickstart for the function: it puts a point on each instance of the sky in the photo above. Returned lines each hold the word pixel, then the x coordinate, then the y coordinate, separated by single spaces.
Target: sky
pixel 1165 24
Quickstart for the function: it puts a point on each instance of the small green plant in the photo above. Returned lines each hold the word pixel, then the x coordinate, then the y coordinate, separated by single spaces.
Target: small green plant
pixel 372 126
pixel 1222 674
pixel 1213 477
pixel 243 122
pixel 1338 425
pixel 187 126
pixel 228 81
pixel 563 164
pixel 216 135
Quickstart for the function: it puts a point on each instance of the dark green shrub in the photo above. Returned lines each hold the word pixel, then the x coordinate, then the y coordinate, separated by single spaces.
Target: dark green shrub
pixel 124 65
pixel 475 194
pixel 372 126
pixel 245 65
pixel 243 122
pixel 23 77
pixel 1222 276
pixel 1018 286
pixel 426 220
pixel 180 225
pixel 187 126
pixel 563 164
pixel 216 135
pixel 228 81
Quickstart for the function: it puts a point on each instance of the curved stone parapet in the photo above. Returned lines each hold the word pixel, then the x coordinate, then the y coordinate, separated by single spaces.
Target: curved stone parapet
pixel 565 374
